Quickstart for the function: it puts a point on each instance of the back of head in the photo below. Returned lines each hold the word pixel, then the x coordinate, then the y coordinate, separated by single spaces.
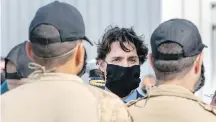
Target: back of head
pixel 176 46
pixel 172 69
pixel 56 35
pixel 50 54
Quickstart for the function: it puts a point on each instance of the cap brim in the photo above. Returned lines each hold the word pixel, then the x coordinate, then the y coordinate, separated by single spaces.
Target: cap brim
pixel 205 46
pixel 85 38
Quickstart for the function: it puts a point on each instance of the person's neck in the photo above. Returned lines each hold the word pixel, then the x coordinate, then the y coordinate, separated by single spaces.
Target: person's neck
pixel 186 83
pixel 58 70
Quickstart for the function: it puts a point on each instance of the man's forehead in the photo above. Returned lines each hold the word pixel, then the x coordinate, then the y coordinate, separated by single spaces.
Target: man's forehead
pixel 117 51
pixel 116 45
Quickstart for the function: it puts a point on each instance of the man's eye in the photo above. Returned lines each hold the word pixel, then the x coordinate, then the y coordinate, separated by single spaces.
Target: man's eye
pixel 116 60
pixel 133 60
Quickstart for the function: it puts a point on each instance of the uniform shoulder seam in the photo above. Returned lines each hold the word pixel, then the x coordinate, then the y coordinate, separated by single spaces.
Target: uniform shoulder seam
pixel 207 107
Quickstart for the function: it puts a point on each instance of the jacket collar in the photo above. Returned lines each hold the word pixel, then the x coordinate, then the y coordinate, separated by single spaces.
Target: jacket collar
pixel 172 90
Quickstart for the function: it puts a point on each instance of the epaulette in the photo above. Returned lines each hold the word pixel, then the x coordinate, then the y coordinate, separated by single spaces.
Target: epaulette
pixel 132 102
pixel 208 107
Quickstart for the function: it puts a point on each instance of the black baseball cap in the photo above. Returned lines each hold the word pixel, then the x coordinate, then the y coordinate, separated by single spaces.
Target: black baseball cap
pixel 18 56
pixel 64 17
pixel 180 31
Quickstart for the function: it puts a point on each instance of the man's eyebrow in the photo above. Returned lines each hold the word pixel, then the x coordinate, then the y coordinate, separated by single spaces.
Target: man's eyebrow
pixel 115 57
pixel 133 57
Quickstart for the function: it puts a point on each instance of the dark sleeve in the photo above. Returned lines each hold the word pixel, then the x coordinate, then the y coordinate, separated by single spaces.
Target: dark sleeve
pixel 2 77
pixel 4 87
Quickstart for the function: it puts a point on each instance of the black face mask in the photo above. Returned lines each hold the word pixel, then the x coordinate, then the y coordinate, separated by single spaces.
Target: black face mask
pixel 83 70
pixel 201 82
pixel 122 80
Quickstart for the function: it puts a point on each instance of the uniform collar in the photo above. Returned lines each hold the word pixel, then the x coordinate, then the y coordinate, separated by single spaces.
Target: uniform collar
pixel 172 90
pixel 52 77
pixel 43 74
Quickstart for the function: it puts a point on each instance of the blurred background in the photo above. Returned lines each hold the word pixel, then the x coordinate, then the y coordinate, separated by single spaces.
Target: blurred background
pixel 143 15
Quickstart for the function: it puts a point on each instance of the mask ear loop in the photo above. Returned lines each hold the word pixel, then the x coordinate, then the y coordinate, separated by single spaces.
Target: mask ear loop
pixel 56 57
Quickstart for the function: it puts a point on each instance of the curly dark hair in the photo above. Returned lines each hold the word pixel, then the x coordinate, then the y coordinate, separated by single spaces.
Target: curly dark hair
pixel 122 35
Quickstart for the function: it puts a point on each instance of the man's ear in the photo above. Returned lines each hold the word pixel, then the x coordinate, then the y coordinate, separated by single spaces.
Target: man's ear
pixel 79 56
pixel 198 63
pixel 151 60
pixel 29 51
pixel 101 64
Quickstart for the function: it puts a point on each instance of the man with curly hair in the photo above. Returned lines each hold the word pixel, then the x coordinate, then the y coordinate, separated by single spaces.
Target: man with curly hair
pixel 120 54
